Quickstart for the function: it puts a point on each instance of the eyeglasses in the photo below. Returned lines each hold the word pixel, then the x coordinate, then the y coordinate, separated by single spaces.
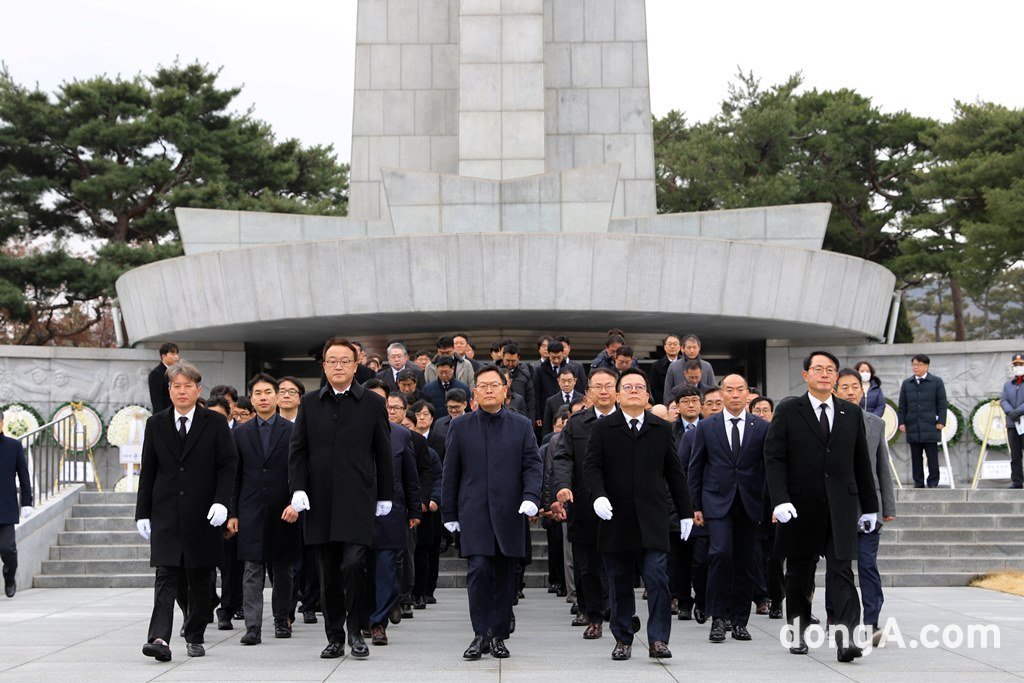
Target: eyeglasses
pixel 289 392
pixel 826 370
pixel 488 386
pixel 603 387
pixel 715 403
pixel 344 362
pixel 392 409
pixel 630 388
pixel 691 401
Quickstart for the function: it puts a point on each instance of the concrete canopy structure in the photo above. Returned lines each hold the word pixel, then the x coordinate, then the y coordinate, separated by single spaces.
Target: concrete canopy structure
pixel 503 176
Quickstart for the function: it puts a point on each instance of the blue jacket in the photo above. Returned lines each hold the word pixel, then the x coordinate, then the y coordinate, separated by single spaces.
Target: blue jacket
pixel 716 477
pixel 13 463
pixel 874 400
pixel 685 453
pixel 1012 400
pixel 491 465
pixel 434 393
pixel 389 531
pixel 922 407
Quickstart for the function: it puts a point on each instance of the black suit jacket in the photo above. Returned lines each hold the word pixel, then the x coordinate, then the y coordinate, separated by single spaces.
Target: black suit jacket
pixel 340 455
pixel 545 381
pixel 823 480
pixel 716 477
pixel 567 473
pixel 178 484
pixel 13 463
pixel 637 473
pixel 261 493
pixel 388 377
pixel 551 406
pixel 159 393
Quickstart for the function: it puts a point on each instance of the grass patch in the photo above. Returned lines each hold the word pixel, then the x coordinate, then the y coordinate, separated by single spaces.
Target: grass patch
pixel 1011 582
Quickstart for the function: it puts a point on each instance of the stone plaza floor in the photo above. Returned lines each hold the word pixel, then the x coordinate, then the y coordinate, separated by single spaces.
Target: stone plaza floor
pixel 97 635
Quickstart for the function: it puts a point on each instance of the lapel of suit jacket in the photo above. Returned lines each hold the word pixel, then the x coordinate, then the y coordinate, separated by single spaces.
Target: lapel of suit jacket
pixel 646 426
pixel 717 425
pixel 812 420
pixel 839 420
pixel 199 421
pixel 748 434
pixel 277 431
pixel 170 432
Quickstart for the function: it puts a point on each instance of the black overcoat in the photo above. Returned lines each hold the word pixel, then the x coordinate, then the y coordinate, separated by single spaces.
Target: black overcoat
pixel 390 530
pixel 567 473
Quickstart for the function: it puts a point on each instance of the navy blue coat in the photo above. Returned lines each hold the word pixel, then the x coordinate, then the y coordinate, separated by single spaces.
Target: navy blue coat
pixel 261 493
pixel 491 466
pixel 389 531
pixel 685 452
pixel 716 477
pixel 921 407
pixel 13 462
pixel 874 400
pixel 434 393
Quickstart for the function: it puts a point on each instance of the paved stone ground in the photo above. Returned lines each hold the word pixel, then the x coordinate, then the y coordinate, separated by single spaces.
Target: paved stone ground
pixel 97 635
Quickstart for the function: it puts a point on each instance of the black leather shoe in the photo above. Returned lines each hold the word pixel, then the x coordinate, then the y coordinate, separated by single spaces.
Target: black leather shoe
pixel 621 652
pixel 181 632
pixel 430 600
pixel 634 623
pixel 593 631
pixel 378 636
pixel 774 612
pixel 717 634
pixel 762 608
pixel 333 651
pixel 251 638
pixel 815 620
pixel 419 603
pixel 800 648
pixel 477 648
pixel 238 614
pixel 10 587
pixel 224 625
pixel 282 629
pixel 728 624
pixel 675 606
pixel 309 617
pixel 195 650
pixel 740 633
pixel 659 650
pixel 575 609
pixel 158 651
pixel 358 645
pixel 684 614
pixel 552 588
pixel 581 620
pixel 699 615
pixel 561 592
pixel 407 612
pixel 395 613
pixel 498 649
pixel 848 654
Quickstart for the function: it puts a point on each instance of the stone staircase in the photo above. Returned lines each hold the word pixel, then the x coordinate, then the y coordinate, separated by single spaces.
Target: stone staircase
pixel 452 570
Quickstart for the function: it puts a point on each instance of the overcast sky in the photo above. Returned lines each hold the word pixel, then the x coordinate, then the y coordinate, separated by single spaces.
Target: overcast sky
pixel 295 58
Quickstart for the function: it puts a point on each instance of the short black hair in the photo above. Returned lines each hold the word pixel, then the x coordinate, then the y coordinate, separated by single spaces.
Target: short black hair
pixel 602 371
pixel 692 364
pixel 225 390
pixel 614 339
pixel 422 352
pixel 218 402
pixel 762 399
pixel 443 359
pixel 754 390
pixel 419 405
pixel 491 367
pixel 566 370
pixel 464 336
pixel 848 372
pixel 496 346
pixel 404 374
pixel 713 389
pixel 410 416
pixel 457 395
pixel 169 347
pixel 261 377
pixel 562 338
pixel 511 349
pixel 670 336
pixel 685 392
pixel 555 347
pixel 244 403
pixel 563 412
pixel 296 381
pixel 826 354
pixel 921 358
pixel 399 395
pixel 544 338
pixel 633 371
pixel 445 342
pixel 374 383
pixel 626 351
pixel 692 337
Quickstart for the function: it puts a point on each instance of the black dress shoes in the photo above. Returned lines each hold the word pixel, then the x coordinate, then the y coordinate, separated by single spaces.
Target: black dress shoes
pixel 358 645
pixel 800 647
pixel 282 629
pixel 561 592
pixel 593 631
pixel 251 638
pixel 498 649
pixel 740 633
pixel 552 588
pixel 728 624
pixel 430 600
pixel 407 612
pixel 814 620
pixel 224 624
pixel 419 603
pixel 10 587
pixel 581 620
pixel 659 650
pixel 621 652
pixel 635 624
pixel 309 617
pixel 158 650
pixel 717 634
pixel 378 636
pixel 395 613
pixel 762 608
pixel 684 614
pixel 699 615
pixel 195 650
pixel 774 612
pixel 849 653
pixel 333 651
pixel 477 648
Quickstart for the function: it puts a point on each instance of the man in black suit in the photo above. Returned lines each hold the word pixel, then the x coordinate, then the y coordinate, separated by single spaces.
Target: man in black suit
pixel 659 368
pixel 363 373
pixel 13 463
pixel 573 500
pixel 817 467
pixel 520 379
pixel 159 395
pixel 398 360
pixel 726 478
pixel 564 396
pixel 188 470
pixel 492 476
pixel 260 512
pixel 436 390
pixel 546 378
pixel 631 470
pixel 340 472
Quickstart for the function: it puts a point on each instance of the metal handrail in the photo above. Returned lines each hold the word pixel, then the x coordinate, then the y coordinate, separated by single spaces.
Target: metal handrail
pixel 51 450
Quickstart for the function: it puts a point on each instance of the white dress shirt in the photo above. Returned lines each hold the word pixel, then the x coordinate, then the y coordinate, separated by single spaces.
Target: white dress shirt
pixel 600 414
pixel 741 425
pixel 639 420
pixel 830 411
pixel 188 419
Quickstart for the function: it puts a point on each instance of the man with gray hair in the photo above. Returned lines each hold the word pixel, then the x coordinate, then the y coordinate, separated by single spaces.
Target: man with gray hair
pixel 398 360
pixel 188 470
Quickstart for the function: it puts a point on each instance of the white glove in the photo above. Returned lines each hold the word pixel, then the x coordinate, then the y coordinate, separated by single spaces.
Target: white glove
pixel 27 511
pixel 383 508
pixel 143 526
pixel 785 512
pixel 300 501
pixel 685 527
pixel 452 527
pixel 528 509
pixel 603 508
pixel 868 522
pixel 217 515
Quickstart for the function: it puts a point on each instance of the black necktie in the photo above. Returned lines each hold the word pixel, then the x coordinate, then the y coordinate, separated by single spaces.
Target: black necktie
pixel 633 426
pixel 824 420
pixel 265 437
pixel 445 387
pixel 735 436
pixel 181 428
pixel 918 381
pixel 688 427
pixel 567 399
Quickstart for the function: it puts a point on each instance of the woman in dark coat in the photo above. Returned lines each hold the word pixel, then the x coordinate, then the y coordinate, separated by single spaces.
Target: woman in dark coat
pixel 874 399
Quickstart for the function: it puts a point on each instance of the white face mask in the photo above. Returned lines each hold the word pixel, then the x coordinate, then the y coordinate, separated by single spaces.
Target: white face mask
pixel 1018 370
pixel 865 376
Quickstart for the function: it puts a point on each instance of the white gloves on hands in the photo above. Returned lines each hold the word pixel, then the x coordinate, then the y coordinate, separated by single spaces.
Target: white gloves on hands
pixel 383 508
pixel 528 509
pixel 685 527
pixel 452 527
pixel 217 515
pixel 143 526
pixel 27 511
pixel 785 512
pixel 868 522
pixel 603 508
pixel 300 501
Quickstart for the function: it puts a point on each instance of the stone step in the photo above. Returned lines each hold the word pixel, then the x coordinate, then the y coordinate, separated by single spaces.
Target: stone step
pixel 957 536
pixel 99 552
pixel 960 521
pixel 914 579
pixel 76 567
pixel 70 538
pixel 458 565
pixel 104 510
pixel 100 524
pixel 929 565
pixel 969 550
pixel 531 578
pixel 960 508
pixel 94 580
pixel 108 498
pixel 944 495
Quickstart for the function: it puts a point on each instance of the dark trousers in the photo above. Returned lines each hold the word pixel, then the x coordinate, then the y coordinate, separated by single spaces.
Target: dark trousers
pixel 622 599
pixel 556 555
pixel 342 588
pixel 590 598
pixel 407 567
pixel 762 553
pixel 490 582
pixel 776 576
pixel 196 584
pixel 931 450
pixel 731 565
pixel 870 580
pixel 382 570
pixel 230 580
pixel 427 539
pixel 680 571
pixel 1013 441
pixel 253 582
pixel 699 575
pixel 8 551
pixel 839 579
